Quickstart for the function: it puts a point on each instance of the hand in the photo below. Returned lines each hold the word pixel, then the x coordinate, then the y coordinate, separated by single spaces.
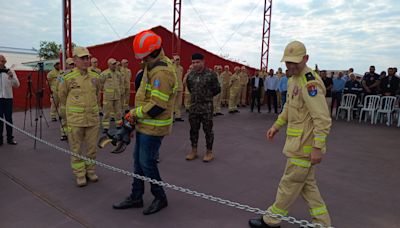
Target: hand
pixel 10 74
pixel 130 118
pixel 271 133
pixel 316 156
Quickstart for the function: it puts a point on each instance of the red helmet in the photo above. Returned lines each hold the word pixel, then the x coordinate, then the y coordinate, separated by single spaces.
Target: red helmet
pixel 145 43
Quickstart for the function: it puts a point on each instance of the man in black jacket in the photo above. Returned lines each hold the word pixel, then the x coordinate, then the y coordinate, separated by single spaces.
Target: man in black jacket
pixel 256 84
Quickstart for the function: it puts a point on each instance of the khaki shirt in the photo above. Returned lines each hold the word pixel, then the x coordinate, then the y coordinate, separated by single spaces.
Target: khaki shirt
pixel 234 82
pixel 158 88
pixel 226 76
pixel 126 76
pixel 111 83
pixel 179 74
pixel 306 114
pixel 95 69
pixel 79 98
pixel 244 78
pixel 52 79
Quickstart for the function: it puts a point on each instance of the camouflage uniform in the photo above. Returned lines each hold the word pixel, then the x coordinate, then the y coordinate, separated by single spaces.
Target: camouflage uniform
pixel 203 86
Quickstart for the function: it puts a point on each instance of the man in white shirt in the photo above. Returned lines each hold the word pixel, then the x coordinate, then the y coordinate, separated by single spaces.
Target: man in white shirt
pixel 8 79
pixel 271 86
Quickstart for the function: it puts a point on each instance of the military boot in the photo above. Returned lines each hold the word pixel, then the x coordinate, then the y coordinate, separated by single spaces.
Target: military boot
pixel 81 181
pixel 208 156
pixel 192 155
pixel 91 176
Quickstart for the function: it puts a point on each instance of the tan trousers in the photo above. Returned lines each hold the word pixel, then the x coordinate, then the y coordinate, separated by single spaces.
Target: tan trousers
pixel 217 103
pixel 112 108
pixel 187 100
pixel 233 99
pixel 298 180
pixel 53 110
pixel 224 94
pixel 243 94
pixel 63 128
pixel 76 136
pixel 178 104
pixel 127 99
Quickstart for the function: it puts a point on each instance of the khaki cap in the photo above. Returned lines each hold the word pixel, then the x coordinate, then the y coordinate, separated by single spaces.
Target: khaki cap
pixel 93 60
pixel 124 61
pixel 69 61
pixel 81 51
pixel 294 52
pixel 111 61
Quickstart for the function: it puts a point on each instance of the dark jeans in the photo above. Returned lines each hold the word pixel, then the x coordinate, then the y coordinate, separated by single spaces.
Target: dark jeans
pixel 6 107
pixel 271 94
pixel 145 164
pixel 255 98
pixel 283 98
pixel 336 98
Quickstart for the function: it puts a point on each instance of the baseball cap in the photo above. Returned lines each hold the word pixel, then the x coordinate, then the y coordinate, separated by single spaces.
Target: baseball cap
pixel 111 61
pixel 69 61
pixel 81 51
pixel 124 61
pixel 294 52
pixel 93 60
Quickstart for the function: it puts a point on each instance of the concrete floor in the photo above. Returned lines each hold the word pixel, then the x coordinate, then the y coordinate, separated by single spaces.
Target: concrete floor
pixel 358 178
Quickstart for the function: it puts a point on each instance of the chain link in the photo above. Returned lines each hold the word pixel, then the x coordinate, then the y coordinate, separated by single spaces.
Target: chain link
pixel 289 219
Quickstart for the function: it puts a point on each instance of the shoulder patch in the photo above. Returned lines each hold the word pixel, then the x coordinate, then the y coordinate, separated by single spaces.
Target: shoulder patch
pixel 312 90
pixel 157 84
pixel 309 76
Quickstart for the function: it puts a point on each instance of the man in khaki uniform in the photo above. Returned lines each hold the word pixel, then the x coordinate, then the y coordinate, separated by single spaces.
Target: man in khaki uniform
pixel 217 98
pixel 69 65
pixel 93 66
pixel 244 79
pixel 234 88
pixel 179 92
pixel 153 114
pixel 79 93
pixel 52 81
pixel 126 73
pixel 307 116
pixel 226 76
pixel 186 101
pixel 111 83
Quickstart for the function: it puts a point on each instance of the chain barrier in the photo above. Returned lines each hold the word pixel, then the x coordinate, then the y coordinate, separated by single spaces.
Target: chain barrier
pixel 288 219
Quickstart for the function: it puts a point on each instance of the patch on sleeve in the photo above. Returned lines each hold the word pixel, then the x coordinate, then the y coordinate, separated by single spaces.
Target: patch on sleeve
pixel 157 84
pixel 310 76
pixel 312 90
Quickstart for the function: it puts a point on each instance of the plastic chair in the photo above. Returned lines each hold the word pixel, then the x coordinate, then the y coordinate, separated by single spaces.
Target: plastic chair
pixel 371 103
pixel 347 104
pixel 386 106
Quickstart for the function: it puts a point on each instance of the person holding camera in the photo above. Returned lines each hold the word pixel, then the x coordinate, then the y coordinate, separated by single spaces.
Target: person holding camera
pixel 8 79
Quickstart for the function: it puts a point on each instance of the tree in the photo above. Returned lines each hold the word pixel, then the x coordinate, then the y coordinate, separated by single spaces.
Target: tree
pixel 49 50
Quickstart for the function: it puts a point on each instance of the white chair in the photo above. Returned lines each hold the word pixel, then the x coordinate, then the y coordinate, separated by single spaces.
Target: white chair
pixel 347 104
pixel 386 106
pixel 371 103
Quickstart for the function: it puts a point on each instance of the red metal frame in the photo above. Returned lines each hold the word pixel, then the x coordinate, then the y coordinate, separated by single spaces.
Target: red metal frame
pixel 176 35
pixel 67 28
pixel 266 34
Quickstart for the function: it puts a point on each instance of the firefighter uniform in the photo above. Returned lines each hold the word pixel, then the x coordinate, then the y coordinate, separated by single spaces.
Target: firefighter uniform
pixel 234 88
pixel 186 101
pixel 217 98
pixel 52 81
pixel 111 82
pixel 244 79
pixel 93 67
pixel 179 92
pixel 127 75
pixel 263 74
pixel 78 94
pixel 226 76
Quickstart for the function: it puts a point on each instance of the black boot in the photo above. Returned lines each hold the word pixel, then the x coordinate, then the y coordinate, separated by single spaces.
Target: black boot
pixel 259 223
pixel 128 203
pixel 156 206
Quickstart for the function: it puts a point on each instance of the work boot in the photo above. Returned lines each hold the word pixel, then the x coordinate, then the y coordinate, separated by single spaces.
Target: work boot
pixel 156 206
pixel 91 176
pixel 259 223
pixel 208 156
pixel 81 181
pixel 128 203
pixel 192 155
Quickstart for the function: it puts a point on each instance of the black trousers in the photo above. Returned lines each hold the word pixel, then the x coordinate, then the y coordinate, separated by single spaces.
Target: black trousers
pixel 336 98
pixel 255 97
pixel 6 107
pixel 271 94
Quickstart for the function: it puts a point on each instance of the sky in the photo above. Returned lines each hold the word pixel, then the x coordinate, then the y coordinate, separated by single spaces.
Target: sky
pixel 338 34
